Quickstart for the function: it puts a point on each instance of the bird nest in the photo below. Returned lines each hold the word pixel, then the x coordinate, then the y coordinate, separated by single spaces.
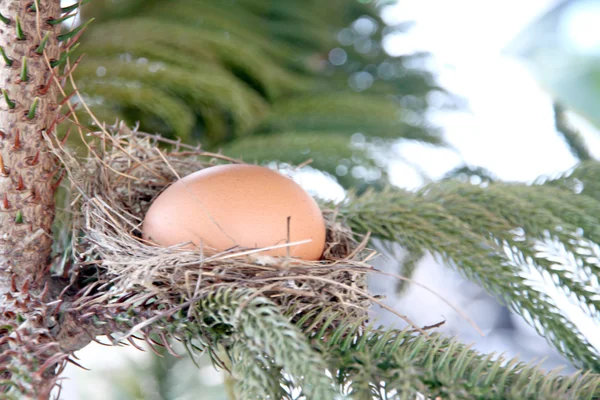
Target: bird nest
pixel 115 187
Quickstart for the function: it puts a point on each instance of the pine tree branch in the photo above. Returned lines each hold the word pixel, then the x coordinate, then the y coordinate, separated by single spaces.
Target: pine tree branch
pixel 255 376
pixel 472 229
pixel 583 179
pixel 263 332
pixel 572 138
pixel 391 364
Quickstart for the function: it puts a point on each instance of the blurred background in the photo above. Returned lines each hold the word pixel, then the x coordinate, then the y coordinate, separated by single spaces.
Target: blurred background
pixel 482 90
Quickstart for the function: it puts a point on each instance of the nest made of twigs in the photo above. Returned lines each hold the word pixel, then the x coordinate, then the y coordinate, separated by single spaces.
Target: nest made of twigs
pixel 116 185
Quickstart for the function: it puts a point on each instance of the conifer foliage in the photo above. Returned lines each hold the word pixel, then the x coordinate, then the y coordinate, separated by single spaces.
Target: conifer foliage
pixel 277 81
pixel 263 81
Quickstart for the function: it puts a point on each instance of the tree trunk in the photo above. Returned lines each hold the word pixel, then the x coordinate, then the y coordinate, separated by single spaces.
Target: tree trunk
pixel 26 166
pixel 29 355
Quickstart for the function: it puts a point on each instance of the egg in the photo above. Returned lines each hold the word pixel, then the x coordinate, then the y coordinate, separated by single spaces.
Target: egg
pixel 237 206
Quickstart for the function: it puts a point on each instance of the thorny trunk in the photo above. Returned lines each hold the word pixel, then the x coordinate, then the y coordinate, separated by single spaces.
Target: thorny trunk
pixel 39 325
pixel 26 165
pixel 28 352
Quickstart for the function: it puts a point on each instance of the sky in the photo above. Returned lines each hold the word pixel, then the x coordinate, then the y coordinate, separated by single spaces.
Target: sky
pixel 508 128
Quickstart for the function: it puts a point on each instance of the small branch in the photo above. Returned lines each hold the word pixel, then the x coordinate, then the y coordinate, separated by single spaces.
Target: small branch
pixel 570 135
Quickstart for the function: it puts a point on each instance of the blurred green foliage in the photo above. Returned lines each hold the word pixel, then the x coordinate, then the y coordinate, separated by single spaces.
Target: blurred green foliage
pixel 298 77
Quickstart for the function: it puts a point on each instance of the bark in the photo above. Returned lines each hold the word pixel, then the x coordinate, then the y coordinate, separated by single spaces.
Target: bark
pixel 27 167
pixel 30 356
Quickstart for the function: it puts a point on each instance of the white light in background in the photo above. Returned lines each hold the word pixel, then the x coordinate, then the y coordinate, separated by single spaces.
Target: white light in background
pixel 579 27
pixel 509 127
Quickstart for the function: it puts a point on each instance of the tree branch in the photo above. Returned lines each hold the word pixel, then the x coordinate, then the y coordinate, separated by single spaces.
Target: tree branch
pixel 571 136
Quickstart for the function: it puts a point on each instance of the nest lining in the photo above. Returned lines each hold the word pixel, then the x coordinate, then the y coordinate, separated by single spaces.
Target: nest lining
pixel 117 186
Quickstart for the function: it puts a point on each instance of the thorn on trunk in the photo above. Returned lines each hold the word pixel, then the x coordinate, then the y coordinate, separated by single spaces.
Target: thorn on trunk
pixel 64 139
pixel 17 144
pixel 67 98
pixel 52 125
pixel 45 291
pixel 36 159
pixel 25 287
pixel 73 66
pixel 33 108
pixel 19 217
pixel 24 77
pixel 59 180
pixel 77 364
pixel 11 104
pixel 3 170
pixel 44 89
pixel 147 339
pixel 13 283
pixel 20 34
pixel 5 202
pixel 55 359
pixel 7 60
pixel 40 48
pixel 4 19
pixel 20 184
pixel 68 113
pixel 34 197
pixel 134 344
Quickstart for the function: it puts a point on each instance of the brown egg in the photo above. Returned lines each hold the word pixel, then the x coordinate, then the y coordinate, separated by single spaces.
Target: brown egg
pixel 225 206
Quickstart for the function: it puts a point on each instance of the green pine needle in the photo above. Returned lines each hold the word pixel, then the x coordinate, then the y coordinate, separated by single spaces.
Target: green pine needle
pixel 66 10
pixel 33 108
pixel 40 48
pixel 24 77
pixel 267 341
pixel 69 35
pixel 61 19
pixel 19 29
pixel 373 363
pixel 11 104
pixel 7 60
pixel 63 57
